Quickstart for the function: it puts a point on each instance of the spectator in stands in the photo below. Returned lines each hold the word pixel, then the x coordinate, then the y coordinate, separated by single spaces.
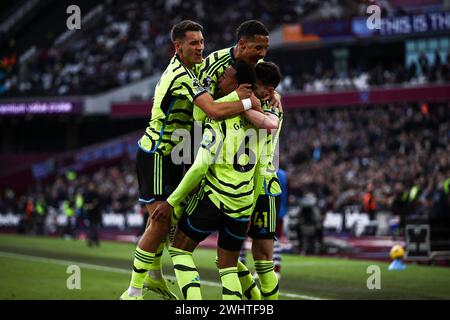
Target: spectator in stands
pixel 94 214
pixel 424 64
pixel 26 224
pixel 69 212
pixel 40 214
pixel 369 203
pixel 399 205
pixel 441 199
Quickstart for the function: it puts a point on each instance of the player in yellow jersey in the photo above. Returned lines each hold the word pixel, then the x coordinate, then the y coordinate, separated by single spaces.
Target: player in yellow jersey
pixel 226 197
pixel 252 45
pixel 175 94
pixel 265 214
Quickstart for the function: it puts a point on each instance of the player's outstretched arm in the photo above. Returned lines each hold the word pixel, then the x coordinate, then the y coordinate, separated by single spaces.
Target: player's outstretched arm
pixel 262 120
pixel 191 179
pixel 269 117
pixel 211 144
pixel 275 101
pixel 221 110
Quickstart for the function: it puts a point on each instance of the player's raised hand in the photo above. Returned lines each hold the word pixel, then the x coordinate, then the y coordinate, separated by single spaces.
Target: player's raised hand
pixel 256 103
pixel 244 91
pixel 275 100
pixel 280 107
pixel 162 212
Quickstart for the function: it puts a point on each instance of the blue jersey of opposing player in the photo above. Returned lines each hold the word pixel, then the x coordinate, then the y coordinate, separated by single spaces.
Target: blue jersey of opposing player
pixel 282 178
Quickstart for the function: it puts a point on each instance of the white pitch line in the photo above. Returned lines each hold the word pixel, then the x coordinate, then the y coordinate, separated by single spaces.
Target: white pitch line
pixel 119 270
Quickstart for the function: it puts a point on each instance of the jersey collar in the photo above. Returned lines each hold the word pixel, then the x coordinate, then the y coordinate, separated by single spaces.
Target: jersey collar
pixel 177 57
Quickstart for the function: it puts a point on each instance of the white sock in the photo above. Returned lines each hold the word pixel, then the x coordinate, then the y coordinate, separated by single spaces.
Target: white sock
pixel 134 292
pixel 155 274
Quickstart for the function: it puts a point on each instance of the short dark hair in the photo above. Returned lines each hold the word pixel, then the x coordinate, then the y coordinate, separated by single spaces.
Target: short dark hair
pixel 178 31
pixel 268 73
pixel 244 73
pixel 251 28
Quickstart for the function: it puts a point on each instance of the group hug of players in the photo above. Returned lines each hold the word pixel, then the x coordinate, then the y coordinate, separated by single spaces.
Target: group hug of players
pixel 231 187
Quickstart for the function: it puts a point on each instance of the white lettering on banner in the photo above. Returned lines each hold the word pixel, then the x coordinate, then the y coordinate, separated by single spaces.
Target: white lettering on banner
pixel 439 21
pixel 351 219
pixel 392 26
pixel 113 220
pixel 420 23
pixel 7 220
pixel 135 220
pixel 108 220
pixel 118 220
pixel 333 221
pixel 12 108
pixel 36 108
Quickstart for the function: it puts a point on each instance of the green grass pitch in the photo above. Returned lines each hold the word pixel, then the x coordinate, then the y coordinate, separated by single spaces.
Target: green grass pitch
pixel 36 268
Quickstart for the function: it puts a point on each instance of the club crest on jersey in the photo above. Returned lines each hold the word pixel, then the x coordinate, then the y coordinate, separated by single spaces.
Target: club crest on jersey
pixel 197 85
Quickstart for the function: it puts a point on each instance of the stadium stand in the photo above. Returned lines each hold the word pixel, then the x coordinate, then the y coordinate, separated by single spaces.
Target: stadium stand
pixel 343 150
pixel 124 42
pixel 328 80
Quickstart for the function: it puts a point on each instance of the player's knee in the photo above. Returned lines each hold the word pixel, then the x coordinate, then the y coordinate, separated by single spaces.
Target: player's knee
pixel 154 235
pixel 262 249
pixel 183 242
pixel 162 226
pixel 227 258
pixel 262 255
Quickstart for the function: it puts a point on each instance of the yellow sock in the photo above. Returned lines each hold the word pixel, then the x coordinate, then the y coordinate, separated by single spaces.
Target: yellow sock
pixel 248 284
pixel 143 261
pixel 231 287
pixel 267 278
pixel 187 275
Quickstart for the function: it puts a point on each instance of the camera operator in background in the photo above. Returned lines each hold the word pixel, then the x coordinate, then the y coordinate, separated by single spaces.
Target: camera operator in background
pixel 309 226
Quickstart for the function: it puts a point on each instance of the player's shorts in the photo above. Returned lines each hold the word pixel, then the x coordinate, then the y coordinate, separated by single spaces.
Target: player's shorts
pixel 157 176
pixel 264 217
pixel 205 218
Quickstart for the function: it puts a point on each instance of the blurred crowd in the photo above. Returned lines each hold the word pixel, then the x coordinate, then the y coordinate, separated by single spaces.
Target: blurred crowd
pixel 384 158
pixel 82 199
pixel 117 187
pixel 418 72
pixel 380 158
pixel 131 40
